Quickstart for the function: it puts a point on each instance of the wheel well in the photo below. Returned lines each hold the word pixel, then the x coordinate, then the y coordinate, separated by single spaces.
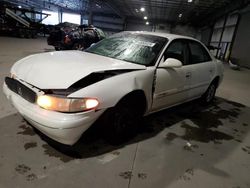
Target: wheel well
pixel 136 98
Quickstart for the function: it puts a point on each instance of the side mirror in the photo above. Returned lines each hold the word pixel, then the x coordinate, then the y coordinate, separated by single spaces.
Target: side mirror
pixel 171 63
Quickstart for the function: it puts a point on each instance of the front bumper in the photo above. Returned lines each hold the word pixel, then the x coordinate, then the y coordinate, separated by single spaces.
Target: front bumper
pixel 65 128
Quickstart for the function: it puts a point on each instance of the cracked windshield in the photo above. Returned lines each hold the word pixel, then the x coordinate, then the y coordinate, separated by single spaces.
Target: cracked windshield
pixel 132 47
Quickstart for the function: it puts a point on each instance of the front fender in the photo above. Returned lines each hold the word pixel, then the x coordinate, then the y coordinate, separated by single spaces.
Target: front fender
pixel 110 91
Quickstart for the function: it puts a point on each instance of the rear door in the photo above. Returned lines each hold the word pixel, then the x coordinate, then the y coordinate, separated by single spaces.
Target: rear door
pixel 202 67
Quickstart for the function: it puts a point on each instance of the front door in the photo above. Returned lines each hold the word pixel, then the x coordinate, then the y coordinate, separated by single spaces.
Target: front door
pixel 172 84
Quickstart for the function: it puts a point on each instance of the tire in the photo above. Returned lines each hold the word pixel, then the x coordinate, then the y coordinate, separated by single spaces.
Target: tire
pixel 209 95
pixel 121 123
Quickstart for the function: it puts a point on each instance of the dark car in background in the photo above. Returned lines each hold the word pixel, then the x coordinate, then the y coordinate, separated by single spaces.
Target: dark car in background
pixel 68 36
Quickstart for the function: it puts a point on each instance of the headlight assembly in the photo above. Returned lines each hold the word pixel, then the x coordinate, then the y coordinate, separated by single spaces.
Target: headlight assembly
pixel 61 104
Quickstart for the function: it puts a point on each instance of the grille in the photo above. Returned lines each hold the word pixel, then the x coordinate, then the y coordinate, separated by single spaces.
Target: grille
pixel 21 89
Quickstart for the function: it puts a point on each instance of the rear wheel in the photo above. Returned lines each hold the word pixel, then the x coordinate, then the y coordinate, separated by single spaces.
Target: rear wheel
pixel 209 95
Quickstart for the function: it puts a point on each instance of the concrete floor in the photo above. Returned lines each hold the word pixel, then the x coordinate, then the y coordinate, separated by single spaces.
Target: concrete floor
pixel 186 146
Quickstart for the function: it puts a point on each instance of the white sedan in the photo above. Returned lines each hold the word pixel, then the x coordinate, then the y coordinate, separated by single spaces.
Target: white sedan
pixel 118 80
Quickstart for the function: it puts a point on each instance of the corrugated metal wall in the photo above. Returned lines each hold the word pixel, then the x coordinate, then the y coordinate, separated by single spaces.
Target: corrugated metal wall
pixel 241 47
pixel 222 36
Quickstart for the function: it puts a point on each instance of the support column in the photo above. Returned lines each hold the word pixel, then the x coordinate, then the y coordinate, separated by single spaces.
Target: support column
pixel 60 15
pixel 90 18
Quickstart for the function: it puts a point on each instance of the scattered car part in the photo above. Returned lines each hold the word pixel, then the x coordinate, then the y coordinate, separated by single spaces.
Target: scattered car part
pixel 67 36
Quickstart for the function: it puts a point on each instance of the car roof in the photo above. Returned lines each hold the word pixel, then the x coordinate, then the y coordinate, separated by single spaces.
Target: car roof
pixel 166 35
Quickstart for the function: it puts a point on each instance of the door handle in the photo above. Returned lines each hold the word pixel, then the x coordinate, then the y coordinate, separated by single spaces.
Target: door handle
pixel 211 70
pixel 188 75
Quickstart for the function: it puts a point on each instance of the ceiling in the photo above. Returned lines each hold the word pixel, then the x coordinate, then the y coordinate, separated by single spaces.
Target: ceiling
pixel 74 5
pixel 193 12
pixel 176 11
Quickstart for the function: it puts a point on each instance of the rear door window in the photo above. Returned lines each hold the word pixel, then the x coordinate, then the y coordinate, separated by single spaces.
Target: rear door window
pixel 198 54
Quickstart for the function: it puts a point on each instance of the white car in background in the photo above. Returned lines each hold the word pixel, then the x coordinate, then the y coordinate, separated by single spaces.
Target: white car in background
pixel 120 79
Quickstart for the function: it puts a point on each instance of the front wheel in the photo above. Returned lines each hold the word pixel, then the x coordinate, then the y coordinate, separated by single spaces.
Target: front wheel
pixel 209 95
pixel 121 123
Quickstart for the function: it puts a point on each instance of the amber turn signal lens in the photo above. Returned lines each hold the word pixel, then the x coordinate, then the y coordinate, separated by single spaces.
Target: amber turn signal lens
pixel 66 104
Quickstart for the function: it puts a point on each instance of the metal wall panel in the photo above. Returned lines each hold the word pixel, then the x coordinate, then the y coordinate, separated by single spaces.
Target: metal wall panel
pixel 222 36
pixel 108 24
pixel 216 35
pixel 232 20
pixel 52 19
pixel 228 34
pixel 241 46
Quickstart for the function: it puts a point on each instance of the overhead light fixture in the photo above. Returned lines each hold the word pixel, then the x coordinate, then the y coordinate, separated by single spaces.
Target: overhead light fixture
pixel 145 17
pixel 142 9
pixel 190 1
pixel 147 23
pixel 98 6
pixel 19 6
pixel 180 15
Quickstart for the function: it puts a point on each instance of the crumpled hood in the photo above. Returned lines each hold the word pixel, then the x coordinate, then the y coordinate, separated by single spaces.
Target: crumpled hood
pixel 59 70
